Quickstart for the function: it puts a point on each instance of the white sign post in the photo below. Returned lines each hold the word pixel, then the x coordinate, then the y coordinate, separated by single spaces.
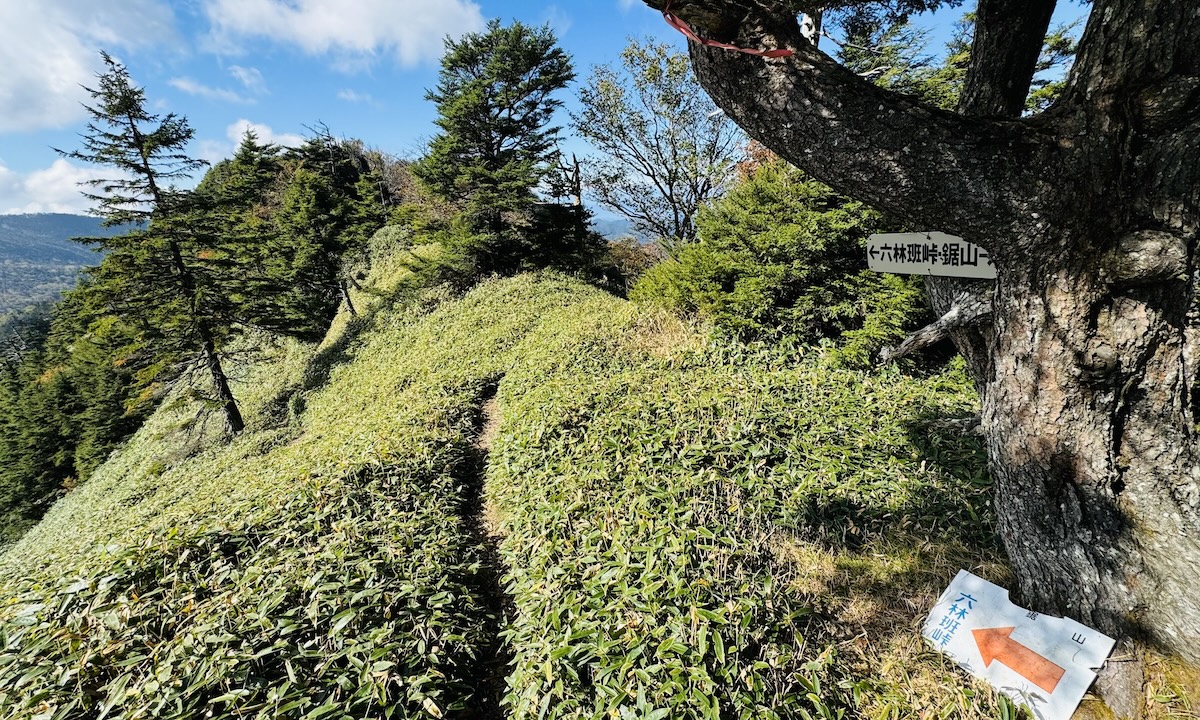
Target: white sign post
pixel 928 253
pixel 1042 662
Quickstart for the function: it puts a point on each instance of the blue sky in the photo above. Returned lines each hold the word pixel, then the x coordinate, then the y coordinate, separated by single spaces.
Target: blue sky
pixel 359 66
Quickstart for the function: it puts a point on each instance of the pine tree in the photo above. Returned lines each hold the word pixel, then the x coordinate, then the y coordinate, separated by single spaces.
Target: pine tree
pixel 153 273
pixel 495 99
pixel 331 206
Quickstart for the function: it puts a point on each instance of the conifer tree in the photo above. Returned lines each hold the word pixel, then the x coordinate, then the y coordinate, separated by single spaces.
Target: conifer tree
pixel 248 260
pixel 495 100
pixel 329 206
pixel 153 273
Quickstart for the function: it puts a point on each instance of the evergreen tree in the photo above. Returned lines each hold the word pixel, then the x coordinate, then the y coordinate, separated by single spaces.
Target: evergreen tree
pixel 37 429
pixel 248 259
pixel 495 99
pixel 781 254
pixel 154 274
pixel 895 56
pixel 332 205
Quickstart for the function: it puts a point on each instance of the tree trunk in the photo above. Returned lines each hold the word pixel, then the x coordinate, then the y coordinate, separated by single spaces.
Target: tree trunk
pixel 345 287
pixel 1091 213
pixel 208 346
pixel 1090 429
pixel 233 416
pixel 187 283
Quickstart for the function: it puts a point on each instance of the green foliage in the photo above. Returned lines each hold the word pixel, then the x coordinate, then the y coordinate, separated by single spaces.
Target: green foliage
pixel 68 398
pixel 781 253
pixel 645 501
pixel 288 224
pixel 35 447
pixel 495 99
pixel 1054 62
pixel 258 245
pixel 665 149
pixel 159 275
pixel 146 148
pixel 894 55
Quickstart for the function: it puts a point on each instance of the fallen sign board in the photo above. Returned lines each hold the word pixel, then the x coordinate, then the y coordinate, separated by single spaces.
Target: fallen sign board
pixel 928 253
pixel 1042 662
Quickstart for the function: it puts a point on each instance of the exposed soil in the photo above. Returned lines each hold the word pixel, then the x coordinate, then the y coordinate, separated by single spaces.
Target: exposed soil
pixel 479 522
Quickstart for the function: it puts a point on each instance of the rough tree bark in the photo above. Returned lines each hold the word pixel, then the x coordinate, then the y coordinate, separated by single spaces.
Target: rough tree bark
pixel 1091 212
pixel 1008 33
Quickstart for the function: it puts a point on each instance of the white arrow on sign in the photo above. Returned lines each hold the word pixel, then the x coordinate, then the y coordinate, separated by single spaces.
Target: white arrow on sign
pixel 928 253
pixel 1042 662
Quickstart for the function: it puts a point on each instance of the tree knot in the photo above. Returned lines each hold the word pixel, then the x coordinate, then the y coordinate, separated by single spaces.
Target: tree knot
pixel 1144 257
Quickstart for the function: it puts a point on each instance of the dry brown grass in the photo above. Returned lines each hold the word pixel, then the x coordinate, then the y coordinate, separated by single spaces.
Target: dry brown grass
pixel 871 603
pixel 1172 689
pixel 661 334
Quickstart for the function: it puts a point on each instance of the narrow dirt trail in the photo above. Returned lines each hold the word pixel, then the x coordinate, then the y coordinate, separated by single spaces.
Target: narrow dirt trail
pixel 480 525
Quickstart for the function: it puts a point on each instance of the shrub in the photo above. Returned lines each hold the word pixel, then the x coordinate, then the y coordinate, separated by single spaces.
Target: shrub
pixel 783 254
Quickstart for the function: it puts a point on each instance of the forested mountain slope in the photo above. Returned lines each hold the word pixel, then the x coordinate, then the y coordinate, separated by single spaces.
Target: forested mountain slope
pixel 38 260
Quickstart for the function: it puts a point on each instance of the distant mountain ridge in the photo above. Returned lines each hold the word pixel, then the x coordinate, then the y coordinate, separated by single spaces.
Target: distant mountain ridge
pixel 38 259
pixel 613 227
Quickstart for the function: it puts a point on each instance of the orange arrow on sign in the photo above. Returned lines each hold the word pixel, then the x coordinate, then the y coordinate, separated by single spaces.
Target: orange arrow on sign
pixel 995 644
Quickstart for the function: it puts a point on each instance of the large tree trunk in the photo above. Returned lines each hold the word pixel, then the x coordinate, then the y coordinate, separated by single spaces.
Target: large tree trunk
pixel 1091 213
pixel 1009 34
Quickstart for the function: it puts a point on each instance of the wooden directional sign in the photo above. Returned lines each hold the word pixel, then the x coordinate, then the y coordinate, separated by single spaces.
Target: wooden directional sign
pixel 1042 662
pixel 928 253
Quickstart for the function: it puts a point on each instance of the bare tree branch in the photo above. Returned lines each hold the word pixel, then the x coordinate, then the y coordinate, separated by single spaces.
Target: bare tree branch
pixel 970 307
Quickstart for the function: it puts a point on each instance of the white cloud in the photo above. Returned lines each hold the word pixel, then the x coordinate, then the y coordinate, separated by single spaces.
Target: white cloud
pixel 355 97
pixel 265 134
pixel 625 5
pixel 191 87
pixel 355 32
pixel 48 49
pixel 557 19
pixel 250 78
pixel 53 189
pixel 216 150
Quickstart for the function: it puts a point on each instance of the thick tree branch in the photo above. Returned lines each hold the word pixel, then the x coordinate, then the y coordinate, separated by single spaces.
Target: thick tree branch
pixel 977 178
pixel 1116 59
pixel 970 307
pixel 1004 55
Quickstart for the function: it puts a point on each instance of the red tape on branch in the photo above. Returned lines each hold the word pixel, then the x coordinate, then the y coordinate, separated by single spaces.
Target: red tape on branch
pixel 677 23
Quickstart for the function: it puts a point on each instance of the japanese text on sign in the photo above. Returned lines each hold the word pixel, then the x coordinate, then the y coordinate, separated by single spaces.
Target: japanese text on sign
pixel 931 253
pixel 1042 662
